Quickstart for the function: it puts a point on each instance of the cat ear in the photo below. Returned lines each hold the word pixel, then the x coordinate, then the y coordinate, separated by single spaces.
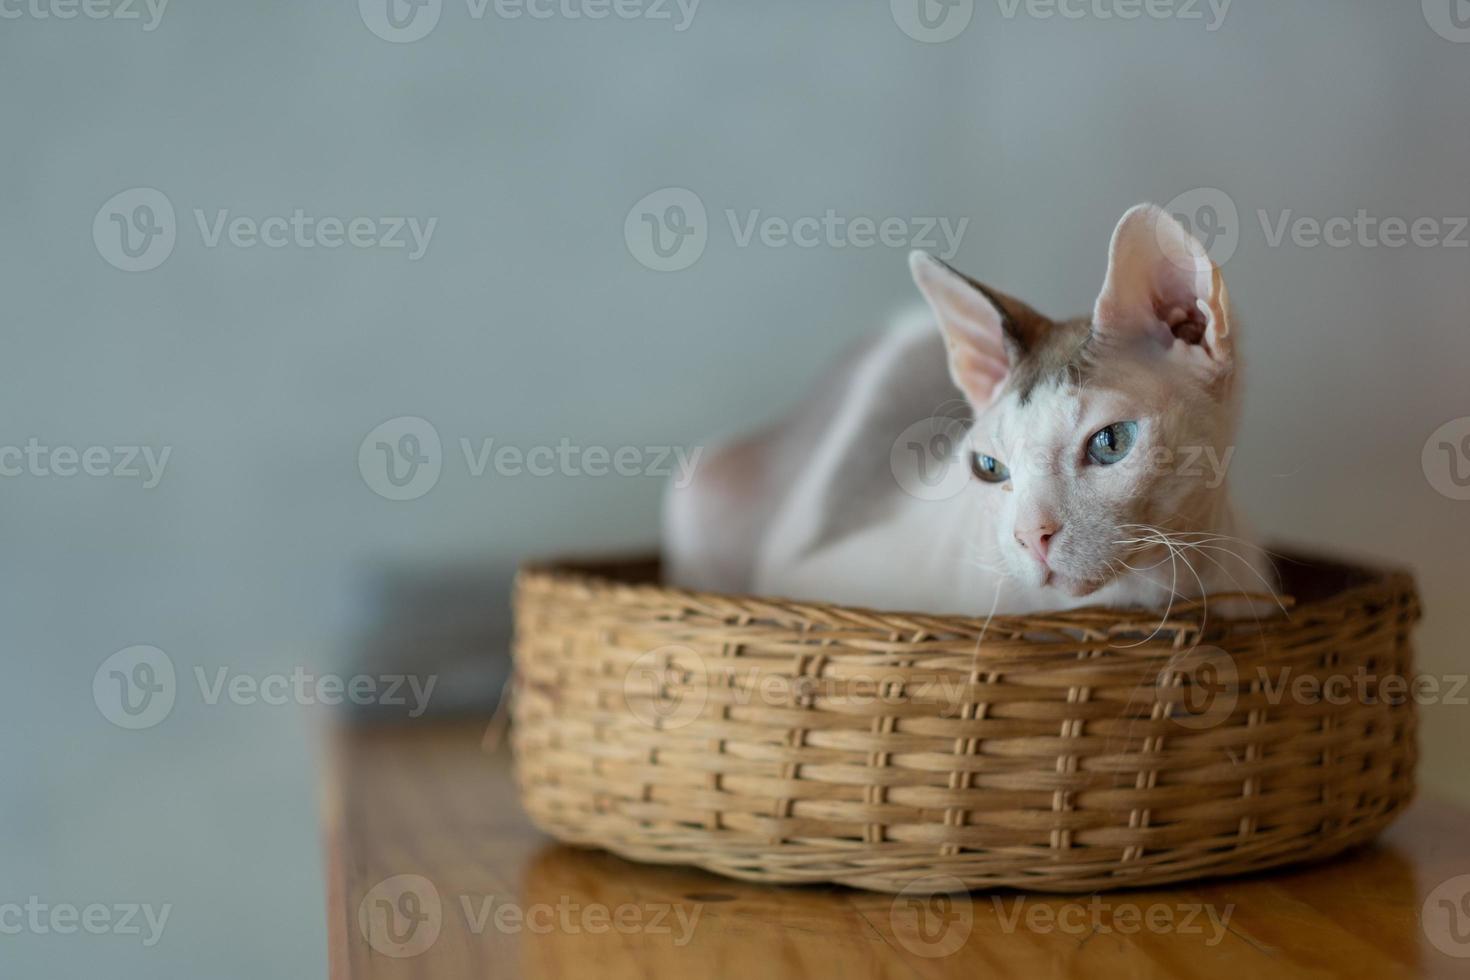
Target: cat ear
pixel 982 329
pixel 1162 285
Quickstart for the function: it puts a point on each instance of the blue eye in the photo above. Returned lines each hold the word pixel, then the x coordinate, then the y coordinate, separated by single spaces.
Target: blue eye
pixel 988 468
pixel 1110 445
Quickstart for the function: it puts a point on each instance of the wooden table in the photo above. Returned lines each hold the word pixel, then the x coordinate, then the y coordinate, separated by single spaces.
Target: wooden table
pixel 434 871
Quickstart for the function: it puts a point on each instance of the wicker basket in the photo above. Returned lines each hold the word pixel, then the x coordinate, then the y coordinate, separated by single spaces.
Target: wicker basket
pixel 800 742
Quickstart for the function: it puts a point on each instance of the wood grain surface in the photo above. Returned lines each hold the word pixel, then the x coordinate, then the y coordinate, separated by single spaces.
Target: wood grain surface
pixel 434 871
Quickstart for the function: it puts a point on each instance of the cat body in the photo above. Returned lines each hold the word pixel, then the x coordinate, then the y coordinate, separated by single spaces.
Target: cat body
pixel 980 457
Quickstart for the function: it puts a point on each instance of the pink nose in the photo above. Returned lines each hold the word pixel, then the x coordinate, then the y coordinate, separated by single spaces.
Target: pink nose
pixel 1037 540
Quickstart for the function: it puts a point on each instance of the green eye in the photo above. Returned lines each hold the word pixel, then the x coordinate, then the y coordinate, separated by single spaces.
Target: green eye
pixel 988 468
pixel 1110 445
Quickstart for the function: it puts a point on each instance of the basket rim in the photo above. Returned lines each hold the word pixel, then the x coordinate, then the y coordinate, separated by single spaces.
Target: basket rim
pixel 1372 579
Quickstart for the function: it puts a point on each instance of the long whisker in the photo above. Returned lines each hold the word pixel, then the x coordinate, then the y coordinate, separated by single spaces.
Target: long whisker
pixel 1210 541
pixel 1270 589
pixel 1233 581
pixel 986 561
pixel 1173 592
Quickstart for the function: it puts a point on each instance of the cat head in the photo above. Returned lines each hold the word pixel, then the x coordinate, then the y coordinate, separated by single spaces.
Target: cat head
pixel 1088 429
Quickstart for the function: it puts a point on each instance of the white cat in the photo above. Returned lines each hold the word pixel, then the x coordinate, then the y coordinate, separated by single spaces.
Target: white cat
pixel 982 457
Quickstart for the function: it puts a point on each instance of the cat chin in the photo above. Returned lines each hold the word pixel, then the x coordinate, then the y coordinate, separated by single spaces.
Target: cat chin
pixel 1074 587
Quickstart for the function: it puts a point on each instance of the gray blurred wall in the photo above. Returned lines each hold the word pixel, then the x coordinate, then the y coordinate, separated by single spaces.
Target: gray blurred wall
pixel 529 319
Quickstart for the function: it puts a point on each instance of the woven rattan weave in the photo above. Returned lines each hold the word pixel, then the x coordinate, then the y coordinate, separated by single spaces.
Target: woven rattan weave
pixel 802 742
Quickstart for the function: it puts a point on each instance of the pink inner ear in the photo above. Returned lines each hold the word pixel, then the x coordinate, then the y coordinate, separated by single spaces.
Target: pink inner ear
pixel 1176 298
pixel 1160 282
pixel 1187 323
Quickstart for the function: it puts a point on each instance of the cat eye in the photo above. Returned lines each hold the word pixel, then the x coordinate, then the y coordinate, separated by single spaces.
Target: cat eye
pixel 988 468
pixel 1112 444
